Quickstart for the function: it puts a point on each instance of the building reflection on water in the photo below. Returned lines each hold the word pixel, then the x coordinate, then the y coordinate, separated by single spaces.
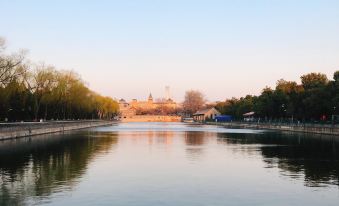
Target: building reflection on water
pixel 194 140
pixel 152 137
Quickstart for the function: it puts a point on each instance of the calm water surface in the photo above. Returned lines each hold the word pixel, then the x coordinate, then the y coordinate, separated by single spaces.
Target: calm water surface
pixel 170 164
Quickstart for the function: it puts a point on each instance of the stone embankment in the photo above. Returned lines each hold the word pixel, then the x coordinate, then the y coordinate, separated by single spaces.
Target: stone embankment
pixel 327 129
pixel 15 130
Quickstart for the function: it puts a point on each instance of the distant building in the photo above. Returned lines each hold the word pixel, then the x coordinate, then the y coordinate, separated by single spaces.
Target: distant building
pixel 130 109
pixel 249 116
pixel 223 118
pixel 151 104
pixel 123 104
pixel 125 110
pixel 205 114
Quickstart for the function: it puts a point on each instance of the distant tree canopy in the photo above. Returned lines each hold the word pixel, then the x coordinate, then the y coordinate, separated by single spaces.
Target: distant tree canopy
pixel 161 110
pixel 38 91
pixel 315 98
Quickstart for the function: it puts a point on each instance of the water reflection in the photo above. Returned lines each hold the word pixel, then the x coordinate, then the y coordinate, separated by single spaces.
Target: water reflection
pixel 194 142
pixel 313 157
pixel 40 166
pixel 195 138
pixel 196 164
pixel 152 137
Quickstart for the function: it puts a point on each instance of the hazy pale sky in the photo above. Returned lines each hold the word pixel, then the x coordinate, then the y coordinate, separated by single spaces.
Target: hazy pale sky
pixel 126 49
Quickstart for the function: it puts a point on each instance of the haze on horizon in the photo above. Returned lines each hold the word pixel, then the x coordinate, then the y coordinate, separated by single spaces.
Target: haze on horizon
pixel 127 49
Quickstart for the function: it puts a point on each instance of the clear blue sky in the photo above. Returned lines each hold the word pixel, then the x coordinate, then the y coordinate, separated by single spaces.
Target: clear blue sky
pixel 223 48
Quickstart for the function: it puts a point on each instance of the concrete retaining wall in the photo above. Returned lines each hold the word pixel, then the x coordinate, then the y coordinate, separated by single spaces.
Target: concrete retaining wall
pixel 307 128
pixel 15 130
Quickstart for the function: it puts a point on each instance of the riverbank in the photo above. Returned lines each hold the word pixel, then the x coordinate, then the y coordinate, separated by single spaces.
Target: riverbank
pixel 16 130
pixel 152 118
pixel 305 128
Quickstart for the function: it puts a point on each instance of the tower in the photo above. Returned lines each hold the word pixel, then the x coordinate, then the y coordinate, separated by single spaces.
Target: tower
pixel 150 98
pixel 167 93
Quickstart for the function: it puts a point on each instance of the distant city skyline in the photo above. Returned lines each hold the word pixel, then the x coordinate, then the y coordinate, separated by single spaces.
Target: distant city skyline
pixel 128 49
pixel 164 96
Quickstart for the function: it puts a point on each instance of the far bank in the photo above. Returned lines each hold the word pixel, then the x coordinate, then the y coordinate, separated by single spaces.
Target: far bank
pixel 328 129
pixel 151 118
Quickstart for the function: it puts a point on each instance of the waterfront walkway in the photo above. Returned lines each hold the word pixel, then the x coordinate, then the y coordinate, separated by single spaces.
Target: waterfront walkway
pixel 328 129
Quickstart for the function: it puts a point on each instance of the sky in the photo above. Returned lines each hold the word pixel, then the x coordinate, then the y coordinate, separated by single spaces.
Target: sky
pixel 127 49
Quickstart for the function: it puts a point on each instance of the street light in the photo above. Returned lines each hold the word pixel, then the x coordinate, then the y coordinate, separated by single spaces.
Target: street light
pixel 334 107
pixel 283 111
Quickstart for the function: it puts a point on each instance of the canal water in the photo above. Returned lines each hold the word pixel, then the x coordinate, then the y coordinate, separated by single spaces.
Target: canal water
pixel 170 164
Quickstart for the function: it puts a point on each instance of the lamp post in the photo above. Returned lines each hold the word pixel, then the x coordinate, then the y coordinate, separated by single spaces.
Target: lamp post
pixel 334 107
pixel 283 111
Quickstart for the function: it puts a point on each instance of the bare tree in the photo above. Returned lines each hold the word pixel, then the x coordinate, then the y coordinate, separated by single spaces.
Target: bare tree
pixel 2 44
pixel 194 100
pixel 9 64
pixel 41 82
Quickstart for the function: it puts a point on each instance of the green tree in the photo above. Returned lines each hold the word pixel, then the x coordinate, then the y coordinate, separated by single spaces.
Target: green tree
pixel 334 88
pixel 313 80
pixel 293 101
pixel 336 76
pixel 317 97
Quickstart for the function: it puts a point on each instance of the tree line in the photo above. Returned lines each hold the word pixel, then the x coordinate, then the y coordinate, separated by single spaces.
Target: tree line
pixel 315 99
pixel 159 110
pixel 30 91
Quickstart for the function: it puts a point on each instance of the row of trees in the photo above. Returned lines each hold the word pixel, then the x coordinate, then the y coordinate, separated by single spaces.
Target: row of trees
pixel 316 98
pixel 37 91
pixel 160 110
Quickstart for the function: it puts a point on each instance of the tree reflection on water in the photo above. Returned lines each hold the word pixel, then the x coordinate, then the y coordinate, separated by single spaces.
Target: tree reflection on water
pixel 42 165
pixel 34 169
pixel 313 157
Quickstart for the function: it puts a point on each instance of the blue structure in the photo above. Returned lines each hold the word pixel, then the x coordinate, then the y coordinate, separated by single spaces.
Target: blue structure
pixel 223 118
